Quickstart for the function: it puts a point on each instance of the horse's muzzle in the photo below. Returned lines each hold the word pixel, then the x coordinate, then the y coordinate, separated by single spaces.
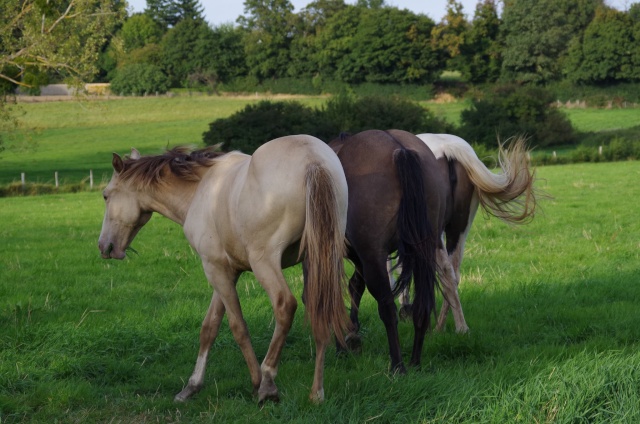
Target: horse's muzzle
pixel 108 252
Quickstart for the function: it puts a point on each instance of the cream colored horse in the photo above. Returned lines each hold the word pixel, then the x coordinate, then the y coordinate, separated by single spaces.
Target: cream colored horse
pixel 239 212
pixel 508 195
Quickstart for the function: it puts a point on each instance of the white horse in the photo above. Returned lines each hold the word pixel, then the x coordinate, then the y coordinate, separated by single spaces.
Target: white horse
pixel 261 213
pixel 508 195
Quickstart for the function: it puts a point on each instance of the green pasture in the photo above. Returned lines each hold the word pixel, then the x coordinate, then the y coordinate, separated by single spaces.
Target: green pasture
pixel 74 137
pixel 552 306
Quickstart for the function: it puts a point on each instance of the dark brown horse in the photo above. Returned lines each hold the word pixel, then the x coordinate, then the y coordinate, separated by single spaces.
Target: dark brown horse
pixel 509 195
pixel 397 198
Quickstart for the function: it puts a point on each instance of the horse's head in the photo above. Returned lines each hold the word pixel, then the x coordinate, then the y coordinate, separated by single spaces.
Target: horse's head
pixel 124 214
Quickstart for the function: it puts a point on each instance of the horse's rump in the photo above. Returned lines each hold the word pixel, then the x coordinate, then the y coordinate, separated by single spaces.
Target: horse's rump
pixel 389 208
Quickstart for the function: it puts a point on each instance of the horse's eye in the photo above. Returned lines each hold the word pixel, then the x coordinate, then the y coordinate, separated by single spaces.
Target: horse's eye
pixel 104 196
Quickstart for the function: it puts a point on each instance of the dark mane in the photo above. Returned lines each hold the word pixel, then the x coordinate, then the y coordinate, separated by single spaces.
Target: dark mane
pixel 181 161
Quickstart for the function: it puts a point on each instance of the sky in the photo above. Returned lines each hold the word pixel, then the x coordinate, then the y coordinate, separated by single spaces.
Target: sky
pixel 224 11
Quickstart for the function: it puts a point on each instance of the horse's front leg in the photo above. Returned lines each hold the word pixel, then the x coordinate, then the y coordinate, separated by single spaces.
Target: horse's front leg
pixel 225 298
pixel 208 333
pixel 284 306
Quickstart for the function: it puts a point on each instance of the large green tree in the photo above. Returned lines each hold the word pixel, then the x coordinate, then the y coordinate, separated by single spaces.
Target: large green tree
pixel 226 51
pixel 481 52
pixel 377 44
pixel 605 53
pixel 308 24
pixel 186 50
pixel 138 31
pixel 167 13
pixel 537 36
pixel 269 31
pixel 450 34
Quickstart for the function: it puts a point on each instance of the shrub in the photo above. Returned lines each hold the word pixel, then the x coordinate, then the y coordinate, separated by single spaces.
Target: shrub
pixel 347 113
pixel 511 110
pixel 621 149
pixel 139 79
pixel 258 123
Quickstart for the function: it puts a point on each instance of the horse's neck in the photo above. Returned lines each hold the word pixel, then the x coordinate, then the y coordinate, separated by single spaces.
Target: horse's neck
pixel 173 199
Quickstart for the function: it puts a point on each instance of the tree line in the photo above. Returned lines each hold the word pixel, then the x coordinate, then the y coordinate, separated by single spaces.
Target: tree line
pixel 170 44
pixel 529 42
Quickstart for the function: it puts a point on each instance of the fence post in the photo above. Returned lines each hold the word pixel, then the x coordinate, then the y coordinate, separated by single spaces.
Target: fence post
pixel 91 179
pixel 56 177
pixel 22 178
pixel 599 150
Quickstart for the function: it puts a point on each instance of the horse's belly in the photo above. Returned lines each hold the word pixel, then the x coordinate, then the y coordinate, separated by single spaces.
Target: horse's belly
pixel 290 255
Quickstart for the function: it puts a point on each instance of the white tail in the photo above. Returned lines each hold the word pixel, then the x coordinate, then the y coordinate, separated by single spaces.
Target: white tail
pixel 508 195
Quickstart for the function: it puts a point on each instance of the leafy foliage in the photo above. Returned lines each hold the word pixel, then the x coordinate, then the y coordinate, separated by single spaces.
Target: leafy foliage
pixel 168 13
pixel 268 37
pixel 258 123
pixel 481 53
pixel 138 31
pixel 537 36
pixel 60 37
pixel 607 52
pixel 39 38
pixel 511 110
pixel 186 49
pixel 139 79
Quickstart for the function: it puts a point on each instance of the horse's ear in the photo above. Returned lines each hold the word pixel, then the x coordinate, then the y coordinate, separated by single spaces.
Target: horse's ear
pixel 117 163
pixel 135 155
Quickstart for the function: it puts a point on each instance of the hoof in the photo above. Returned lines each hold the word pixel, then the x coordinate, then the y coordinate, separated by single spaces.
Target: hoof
pixel 399 369
pixel 272 397
pixel 186 393
pixel 268 392
pixel 406 312
pixel 317 397
pixel 463 330
pixel 354 342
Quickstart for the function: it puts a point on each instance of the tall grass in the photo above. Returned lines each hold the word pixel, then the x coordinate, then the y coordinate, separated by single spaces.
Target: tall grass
pixel 552 307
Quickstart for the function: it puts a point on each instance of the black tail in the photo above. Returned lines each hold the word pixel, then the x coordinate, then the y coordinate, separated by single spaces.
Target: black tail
pixel 418 243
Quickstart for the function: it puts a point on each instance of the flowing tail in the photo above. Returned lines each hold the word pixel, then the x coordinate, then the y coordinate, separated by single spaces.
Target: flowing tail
pixel 417 241
pixel 508 195
pixel 323 243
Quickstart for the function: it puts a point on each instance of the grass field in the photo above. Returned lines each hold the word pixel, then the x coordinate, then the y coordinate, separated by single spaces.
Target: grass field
pixel 552 306
pixel 75 137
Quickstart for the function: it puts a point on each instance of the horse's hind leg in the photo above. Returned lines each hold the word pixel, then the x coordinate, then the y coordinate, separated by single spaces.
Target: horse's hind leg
pixel 403 297
pixel 356 290
pixel 208 333
pixel 284 307
pixel 451 300
pixel 377 282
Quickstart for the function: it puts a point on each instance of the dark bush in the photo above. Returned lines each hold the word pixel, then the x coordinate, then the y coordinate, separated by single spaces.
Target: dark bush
pixel 139 79
pixel 256 124
pixel 346 113
pixel 511 110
